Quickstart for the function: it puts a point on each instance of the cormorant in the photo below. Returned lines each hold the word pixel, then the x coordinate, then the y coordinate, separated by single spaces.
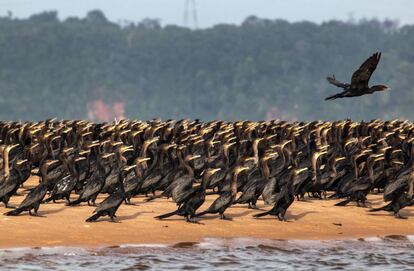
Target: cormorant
pixel 9 187
pixel 395 192
pixel 94 185
pixel 359 82
pixel 35 197
pixel 285 198
pixel 194 199
pixel 227 198
pixel 110 205
pixel 64 187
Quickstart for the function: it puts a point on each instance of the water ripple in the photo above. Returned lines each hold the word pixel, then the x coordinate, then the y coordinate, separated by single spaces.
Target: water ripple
pixel 390 252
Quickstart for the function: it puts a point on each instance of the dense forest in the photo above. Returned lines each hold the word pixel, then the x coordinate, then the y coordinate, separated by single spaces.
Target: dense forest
pixel 93 68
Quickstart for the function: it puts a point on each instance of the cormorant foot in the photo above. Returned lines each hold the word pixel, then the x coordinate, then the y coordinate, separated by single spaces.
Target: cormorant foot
pixel 192 220
pixel 397 215
pixel 281 218
pixel 223 217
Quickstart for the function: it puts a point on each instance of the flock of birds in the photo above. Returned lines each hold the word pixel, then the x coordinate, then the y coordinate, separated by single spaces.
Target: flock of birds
pixel 239 162
pixel 185 160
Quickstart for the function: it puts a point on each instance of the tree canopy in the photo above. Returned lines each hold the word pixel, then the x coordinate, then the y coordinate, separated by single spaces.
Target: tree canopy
pixel 257 70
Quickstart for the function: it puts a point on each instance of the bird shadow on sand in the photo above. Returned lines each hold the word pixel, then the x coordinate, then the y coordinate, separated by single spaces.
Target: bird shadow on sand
pixel 405 213
pixel 44 213
pixel 289 216
pixel 229 216
pixel 295 217
pixel 245 207
pixel 131 216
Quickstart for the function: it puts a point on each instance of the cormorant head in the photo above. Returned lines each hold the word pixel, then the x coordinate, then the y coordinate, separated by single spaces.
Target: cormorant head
pixel 380 88
pixel 240 169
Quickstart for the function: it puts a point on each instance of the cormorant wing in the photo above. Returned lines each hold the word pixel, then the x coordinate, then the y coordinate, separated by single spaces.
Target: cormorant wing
pixel 111 201
pixel 363 185
pixel 187 194
pixel 223 200
pixel 34 196
pixel 332 80
pixel 361 77
pixel 394 186
pixel 91 189
pixel 7 187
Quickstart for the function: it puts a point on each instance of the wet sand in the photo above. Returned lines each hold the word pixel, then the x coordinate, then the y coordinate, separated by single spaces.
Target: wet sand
pixel 307 220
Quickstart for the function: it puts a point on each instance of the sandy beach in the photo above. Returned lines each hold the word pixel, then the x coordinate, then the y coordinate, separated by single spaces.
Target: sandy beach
pixel 307 220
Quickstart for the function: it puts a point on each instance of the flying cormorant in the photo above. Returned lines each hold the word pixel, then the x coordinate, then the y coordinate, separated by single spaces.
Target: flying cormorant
pixel 359 82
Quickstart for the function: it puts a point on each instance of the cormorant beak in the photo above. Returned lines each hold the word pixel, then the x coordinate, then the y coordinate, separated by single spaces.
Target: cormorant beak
pixel 84 152
pixel 231 139
pixel 116 144
pixel 34 146
pixel 94 145
pixel 21 162
pixel 51 162
pixel 142 160
pixel 230 144
pixel 214 170
pixel 396 151
pixel 169 146
pixel 80 159
pixel 68 150
pixel 108 155
pixel 243 169
pixel 272 154
pixel 182 147
pixel 212 143
pixel 13 146
pixel 128 168
pixel 287 142
pixel 194 157
pixel 153 140
pixel 198 142
pixel 299 171
pixel 340 159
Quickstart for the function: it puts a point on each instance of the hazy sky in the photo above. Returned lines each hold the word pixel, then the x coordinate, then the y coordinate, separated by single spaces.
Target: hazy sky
pixel 211 12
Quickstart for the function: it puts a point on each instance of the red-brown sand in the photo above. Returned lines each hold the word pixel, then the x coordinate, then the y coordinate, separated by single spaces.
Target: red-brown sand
pixel 313 219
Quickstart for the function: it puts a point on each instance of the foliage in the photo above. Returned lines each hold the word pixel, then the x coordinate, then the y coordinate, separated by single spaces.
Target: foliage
pixel 260 69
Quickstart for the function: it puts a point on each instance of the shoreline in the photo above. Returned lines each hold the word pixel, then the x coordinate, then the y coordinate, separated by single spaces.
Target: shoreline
pixel 64 226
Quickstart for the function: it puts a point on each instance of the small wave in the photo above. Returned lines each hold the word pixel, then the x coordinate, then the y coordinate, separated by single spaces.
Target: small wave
pixel 373 239
pixel 143 246
pixel 390 252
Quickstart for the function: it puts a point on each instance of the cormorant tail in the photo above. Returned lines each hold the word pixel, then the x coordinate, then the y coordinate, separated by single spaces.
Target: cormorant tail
pixel 333 97
pixel 152 198
pixel 343 203
pixel 383 208
pixel 93 218
pixel 76 201
pixel 47 200
pixel 335 196
pixel 202 213
pixel 166 215
pixel 14 212
pixel 240 200
pixel 261 214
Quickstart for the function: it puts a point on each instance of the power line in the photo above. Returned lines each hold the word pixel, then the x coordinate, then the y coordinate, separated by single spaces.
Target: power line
pixel 190 18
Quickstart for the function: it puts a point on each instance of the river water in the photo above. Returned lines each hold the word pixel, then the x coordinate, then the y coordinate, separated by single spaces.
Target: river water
pixel 390 253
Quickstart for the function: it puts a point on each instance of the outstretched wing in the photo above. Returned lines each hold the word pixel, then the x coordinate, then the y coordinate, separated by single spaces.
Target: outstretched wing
pixel 361 77
pixel 333 81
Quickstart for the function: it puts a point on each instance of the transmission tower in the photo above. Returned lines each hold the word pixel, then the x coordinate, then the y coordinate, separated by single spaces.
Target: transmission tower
pixel 190 18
